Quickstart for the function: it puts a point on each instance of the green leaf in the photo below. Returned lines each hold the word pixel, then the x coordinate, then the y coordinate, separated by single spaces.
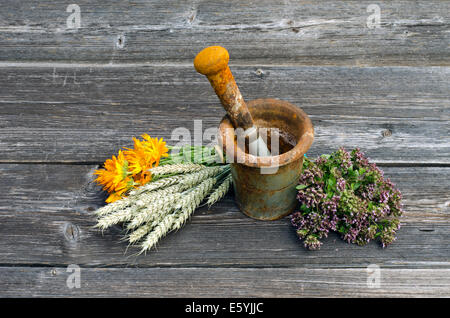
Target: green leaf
pixel 352 174
pixel 304 208
pixel 331 180
pixel 301 186
pixel 342 229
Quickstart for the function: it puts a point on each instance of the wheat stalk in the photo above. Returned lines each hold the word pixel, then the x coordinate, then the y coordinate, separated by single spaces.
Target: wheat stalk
pixel 153 210
pixel 157 202
pixel 190 200
pixel 116 217
pixel 140 232
pixel 136 206
pixel 158 232
pixel 175 168
pixel 147 198
pixel 220 191
pixel 162 205
pixel 189 204
pixel 114 206
pixel 195 178
pixel 186 179
pixel 143 230
pixel 158 184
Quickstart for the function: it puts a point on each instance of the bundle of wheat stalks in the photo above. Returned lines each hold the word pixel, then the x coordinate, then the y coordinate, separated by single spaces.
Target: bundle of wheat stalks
pixel 163 205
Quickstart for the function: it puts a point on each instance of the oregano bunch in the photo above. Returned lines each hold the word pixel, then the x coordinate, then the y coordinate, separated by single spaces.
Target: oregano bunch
pixel 345 193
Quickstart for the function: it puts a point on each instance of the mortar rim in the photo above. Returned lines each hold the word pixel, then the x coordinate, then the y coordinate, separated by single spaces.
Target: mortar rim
pixel 301 147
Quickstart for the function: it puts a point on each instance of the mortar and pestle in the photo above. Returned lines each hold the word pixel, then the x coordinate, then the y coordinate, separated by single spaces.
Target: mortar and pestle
pixel 259 194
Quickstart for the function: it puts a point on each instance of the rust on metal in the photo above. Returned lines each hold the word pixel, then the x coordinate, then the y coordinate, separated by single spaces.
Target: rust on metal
pixel 291 120
pixel 269 196
pixel 258 195
pixel 213 62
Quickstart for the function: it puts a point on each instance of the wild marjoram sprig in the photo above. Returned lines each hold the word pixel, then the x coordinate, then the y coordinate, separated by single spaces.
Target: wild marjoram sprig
pixel 164 196
pixel 345 193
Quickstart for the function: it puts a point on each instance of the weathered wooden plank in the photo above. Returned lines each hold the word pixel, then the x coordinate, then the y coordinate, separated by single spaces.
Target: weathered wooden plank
pixel 224 282
pixel 300 32
pixel 46 217
pixel 84 113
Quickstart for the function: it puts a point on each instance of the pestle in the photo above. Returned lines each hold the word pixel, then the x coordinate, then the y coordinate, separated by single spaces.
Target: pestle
pixel 213 62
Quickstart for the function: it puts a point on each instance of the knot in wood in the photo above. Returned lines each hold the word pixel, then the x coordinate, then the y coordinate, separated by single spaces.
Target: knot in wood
pixel 387 133
pixel 71 232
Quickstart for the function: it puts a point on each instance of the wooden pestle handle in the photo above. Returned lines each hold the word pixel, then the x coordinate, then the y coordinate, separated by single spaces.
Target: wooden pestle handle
pixel 213 62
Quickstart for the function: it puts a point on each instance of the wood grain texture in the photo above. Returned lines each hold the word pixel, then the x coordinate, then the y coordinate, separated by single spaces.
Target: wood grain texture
pixel 84 113
pixel 70 98
pixel 295 32
pixel 46 217
pixel 223 282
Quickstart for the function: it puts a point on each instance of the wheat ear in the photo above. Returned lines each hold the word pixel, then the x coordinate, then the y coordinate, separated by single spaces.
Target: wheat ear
pixel 146 198
pixel 188 203
pixel 158 232
pixel 220 191
pixel 138 204
pixel 114 206
pixel 191 202
pixel 163 205
pixel 140 232
pixel 194 178
pixel 176 168
pixel 116 217
pixel 185 179
pixel 124 202
pixel 153 185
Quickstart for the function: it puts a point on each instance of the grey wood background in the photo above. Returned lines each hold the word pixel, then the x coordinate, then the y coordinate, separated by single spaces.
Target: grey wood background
pixel 69 98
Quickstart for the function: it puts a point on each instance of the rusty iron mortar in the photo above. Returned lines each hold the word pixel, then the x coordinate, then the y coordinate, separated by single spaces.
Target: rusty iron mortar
pixel 263 196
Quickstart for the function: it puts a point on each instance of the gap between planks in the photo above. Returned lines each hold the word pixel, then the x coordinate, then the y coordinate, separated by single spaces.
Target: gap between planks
pixel 15 64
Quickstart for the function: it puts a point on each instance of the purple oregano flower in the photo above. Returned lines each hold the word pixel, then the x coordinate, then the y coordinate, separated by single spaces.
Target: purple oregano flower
pixel 345 193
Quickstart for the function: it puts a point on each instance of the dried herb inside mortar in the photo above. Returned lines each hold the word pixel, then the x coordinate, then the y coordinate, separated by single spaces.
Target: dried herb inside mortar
pixel 345 193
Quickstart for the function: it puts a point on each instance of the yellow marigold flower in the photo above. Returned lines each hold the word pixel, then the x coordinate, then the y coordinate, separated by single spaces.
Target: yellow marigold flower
pixel 114 176
pixel 158 146
pixel 131 166
pixel 144 156
pixel 140 158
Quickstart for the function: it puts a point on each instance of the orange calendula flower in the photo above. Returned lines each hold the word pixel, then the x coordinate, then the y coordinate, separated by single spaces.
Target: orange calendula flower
pixel 144 156
pixel 115 177
pixel 131 167
pixel 140 158
pixel 158 146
